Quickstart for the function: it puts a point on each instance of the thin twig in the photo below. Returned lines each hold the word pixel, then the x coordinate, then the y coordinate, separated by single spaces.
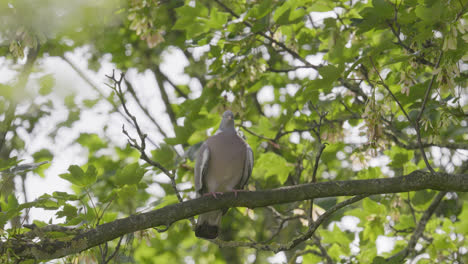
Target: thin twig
pixel 115 251
pixel 418 118
pixel 323 250
pixel 296 241
pixel 97 90
pixel 292 260
pixel 143 108
pixel 428 90
pixel 255 134
pixel 411 208
pixel 449 145
pixel 176 88
pixel 280 227
pixel 410 249
pixel 141 146
pixel 159 79
pixel 317 133
pixel 293 68
pixel 414 124
pixel 272 40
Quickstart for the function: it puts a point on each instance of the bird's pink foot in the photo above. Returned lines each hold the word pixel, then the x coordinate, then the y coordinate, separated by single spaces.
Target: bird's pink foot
pixel 213 194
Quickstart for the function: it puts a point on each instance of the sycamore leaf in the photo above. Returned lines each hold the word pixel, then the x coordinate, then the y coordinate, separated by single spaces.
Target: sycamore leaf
pixel 271 164
pixel 130 174
pixel 78 177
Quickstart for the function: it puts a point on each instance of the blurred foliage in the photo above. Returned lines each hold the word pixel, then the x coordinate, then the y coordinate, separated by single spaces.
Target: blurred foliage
pixel 299 74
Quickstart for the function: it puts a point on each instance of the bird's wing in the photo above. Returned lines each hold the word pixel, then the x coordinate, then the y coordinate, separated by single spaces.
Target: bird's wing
pixel 248 166
pixel 201 167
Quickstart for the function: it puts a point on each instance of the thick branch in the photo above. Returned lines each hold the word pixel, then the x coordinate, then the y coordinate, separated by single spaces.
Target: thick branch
pixel 415 181
pixel 295 241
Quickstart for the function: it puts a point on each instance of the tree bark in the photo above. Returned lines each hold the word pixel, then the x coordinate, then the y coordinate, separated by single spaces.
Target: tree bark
pixel 51 249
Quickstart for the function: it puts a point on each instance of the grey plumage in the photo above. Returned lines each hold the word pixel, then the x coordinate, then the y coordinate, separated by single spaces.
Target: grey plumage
pixel 224 163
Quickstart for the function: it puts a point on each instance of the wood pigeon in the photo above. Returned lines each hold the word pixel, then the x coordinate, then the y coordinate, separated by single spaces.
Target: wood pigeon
pixel 224 163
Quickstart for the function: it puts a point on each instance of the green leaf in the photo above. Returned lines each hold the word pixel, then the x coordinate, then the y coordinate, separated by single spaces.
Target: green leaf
pixel 462 225
pixel 193 19
pixel 311 258
pixel 330 73
pixel 372 207
pixel 203 122
pixel 383 7
pixel 40 156
pixel 399 156
pixel 429 14
pixel 281 14
pixel 68 211
pixel 46 83
pixel 78 177
pixel 379 260
pixel 263 127
pixel 217 19
pixel 422 198
pixel 405 222
pixel 7 91
pixel 370 173
pixel 130 174
pixel 165 155
pixel 336 235
pixel 373 228
pixel 324 6
pixel 46 202
pixel 70 101
pixel 90 175
pixel 6 164
pixel 90 103
pixel 12 203
pixel 92 141
pixel 335 251
pixel 63 196
pixel 271 164
pixel 261 10
pixel 127 192
pixel 165 201
pixel 183 133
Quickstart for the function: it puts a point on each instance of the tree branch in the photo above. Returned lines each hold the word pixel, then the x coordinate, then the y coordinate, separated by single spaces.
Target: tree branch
pixel 159 79
pixel 143 108
pixel 449 145
pixel 141 147
pixel 414 123
pixel 410 249
pixel 176 88
pixel 272 40
pixel 101 95
pixel 295 241
pixel 415 181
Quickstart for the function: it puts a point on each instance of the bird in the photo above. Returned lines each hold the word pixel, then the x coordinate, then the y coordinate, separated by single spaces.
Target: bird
pixel 224 163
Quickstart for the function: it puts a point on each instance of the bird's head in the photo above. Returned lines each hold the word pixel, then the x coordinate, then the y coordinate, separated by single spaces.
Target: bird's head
pixel 227 123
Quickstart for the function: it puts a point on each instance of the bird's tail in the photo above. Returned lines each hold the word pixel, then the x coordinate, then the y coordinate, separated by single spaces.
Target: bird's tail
pixel 208 224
